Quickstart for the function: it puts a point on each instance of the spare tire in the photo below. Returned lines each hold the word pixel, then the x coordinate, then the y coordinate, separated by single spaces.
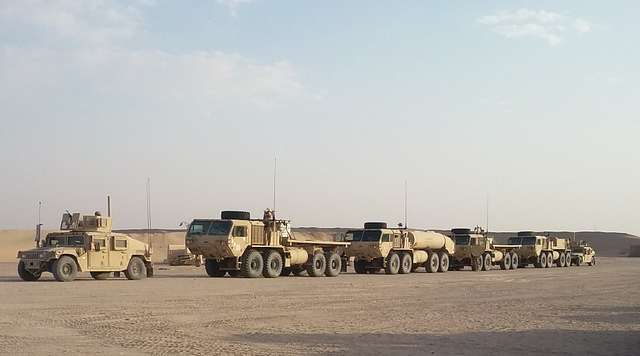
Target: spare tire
pixel 375 225
pixel 235 215
pixel 460 231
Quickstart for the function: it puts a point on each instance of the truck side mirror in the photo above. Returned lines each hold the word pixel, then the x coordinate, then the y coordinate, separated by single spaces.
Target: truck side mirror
pixel 96 246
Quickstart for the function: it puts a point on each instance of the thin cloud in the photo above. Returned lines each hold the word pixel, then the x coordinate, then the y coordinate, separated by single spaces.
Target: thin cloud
pixel 549 26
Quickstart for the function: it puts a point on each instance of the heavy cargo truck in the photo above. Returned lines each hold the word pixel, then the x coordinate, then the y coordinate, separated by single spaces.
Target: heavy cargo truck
pixel 376 247
pixel 474 248
pixel 241 246
pixel 540 251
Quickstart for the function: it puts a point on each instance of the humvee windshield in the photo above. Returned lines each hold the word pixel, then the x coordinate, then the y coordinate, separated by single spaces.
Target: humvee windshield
pixel 215 227
pixel 462 240
pixel 66 241
pixel 366 235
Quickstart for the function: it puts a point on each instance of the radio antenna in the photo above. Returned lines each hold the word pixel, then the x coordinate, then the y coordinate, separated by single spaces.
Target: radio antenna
pixel 149 211
pixel 405 205
pixel 487 212
pixel 275 168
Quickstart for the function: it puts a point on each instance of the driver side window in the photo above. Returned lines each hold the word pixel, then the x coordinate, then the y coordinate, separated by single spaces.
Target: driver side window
pixel 239 231
pixel 386 238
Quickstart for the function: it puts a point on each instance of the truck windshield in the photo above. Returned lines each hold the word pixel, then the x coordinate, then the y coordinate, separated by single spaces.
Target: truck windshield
pixel 353 236
pixel 366 235
pixel 515 241
pixel 199 227
pixel 529 240
pixel 220 227
pixel 462 240
pixel 66 241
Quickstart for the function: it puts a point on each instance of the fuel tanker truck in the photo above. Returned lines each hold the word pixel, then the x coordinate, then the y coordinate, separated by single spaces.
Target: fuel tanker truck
pixel 474 248
pixel 376 247
pixel 541 251
pixel 241 246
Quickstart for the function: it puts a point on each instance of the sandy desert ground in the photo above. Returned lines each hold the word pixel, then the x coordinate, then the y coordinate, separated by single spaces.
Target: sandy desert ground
pixel 577 310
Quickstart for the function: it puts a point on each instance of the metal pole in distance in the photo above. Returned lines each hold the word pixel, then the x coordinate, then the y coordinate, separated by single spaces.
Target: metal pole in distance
pixel 405 206
pixel 149 211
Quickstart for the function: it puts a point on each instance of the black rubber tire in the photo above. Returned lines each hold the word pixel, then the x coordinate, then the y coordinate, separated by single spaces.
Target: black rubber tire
pixel 334 264
pixel 65 269
pixel 487 263
pixel 252 264
pixel 460 231
pixel 443 265
pixel 549 259
pixel 272 264
pixel 317 265
pixel 213 268
pixel 567 259
pixel 542 260
pixel 101 276
pixel 406 263
pixel 515 260
pixel 561 260
pixel 476 263
pixel 25 275
pixel 433 262
pixel 286 272
pixel 393 264
pixel 505 264
pixel 136 269
pixel 593 261
pixel 235 215
pixel 375 225
pixel 360 266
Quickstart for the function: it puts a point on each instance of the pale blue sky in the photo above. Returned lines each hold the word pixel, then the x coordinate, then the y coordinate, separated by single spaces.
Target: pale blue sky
pixel 533 103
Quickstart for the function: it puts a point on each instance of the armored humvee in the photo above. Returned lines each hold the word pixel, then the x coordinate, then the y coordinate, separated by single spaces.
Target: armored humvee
pixel 474 248
pixel 86 244
pixel 541 251
pixel 399 250
pixel 583 253
pixel 241 246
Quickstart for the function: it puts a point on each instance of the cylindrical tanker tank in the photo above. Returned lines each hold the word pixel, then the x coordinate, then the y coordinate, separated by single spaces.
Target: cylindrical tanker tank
pixel 429 240
pixel 497 256
pixel 298 256
pixel 420 256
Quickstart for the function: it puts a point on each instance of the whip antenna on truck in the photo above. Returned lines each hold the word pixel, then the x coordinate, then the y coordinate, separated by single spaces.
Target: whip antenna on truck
pixel 149 211
pixel 405 205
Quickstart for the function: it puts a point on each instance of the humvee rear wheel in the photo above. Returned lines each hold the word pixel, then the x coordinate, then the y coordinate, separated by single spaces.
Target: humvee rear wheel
pixel 505 264
pixel 393 264
pixel 26 275
pixel 443 266
pixel 252 264
pixel 272 265
pixel 101 276
pixel 65 269
pixel 487 264
pixel 317 265
pixel 136 269
pixel 334 265
pixel 213 268
pixel 476 263
pixel 433 262
pixel 514 260
pixel 360 266
pixel 561 260
pixel 405 263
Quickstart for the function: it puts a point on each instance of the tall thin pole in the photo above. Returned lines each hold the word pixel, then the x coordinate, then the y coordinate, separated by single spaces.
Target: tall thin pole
pixel 487 212
pixel 39 211
pixel 149 211
pixel 275 167
pixel 405 205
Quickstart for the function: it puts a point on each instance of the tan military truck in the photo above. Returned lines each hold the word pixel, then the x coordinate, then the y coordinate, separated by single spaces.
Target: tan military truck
pixel 241 246
pixel 541 251
pixel 86 244
pixel 401 250
pixel 474 248
pixel 582 253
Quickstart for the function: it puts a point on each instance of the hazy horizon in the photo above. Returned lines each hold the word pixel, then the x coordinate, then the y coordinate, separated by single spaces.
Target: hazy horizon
pixel 531 105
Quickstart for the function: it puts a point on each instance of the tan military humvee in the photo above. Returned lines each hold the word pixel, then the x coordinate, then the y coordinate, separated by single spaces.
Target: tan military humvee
pixel 474 248
pixel 583 253
pixel 86 244
pixel 400 250
pixel 541 251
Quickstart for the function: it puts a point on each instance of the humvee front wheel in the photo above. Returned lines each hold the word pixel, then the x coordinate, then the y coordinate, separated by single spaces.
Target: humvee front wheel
pixel 334 265
pixel 272 265
pixel 101 276
pixel 252 264
pixel 405 263
pixel 444 262
pixel 136 269
pixel 213 268
pixel 65 269
pixel 433 262
pixel 26 275
pixel 317 265
pixel 393 264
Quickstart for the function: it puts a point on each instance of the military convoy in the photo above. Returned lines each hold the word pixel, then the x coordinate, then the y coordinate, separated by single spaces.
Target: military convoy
pixel 476 249
pixel 86 244
pixel 241 246
pixel 540 251
pixel 401 250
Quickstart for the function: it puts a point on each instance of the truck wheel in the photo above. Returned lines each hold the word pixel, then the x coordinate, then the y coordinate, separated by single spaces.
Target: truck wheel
pixel 487 264
pixel 65 269
pixel 360 266
pixel 549 259
pixel 505 264
pixel 136 269
pixel 579 261
pixel 393 264
pixel 476 263
pixel 561 260
pixel 101 276
pixel 272 265
pixel 405 263
pixel 514 260
pixel 317 265
pixel 252 264
pixel 213 268
pixel 334 265
pixel 26 275
pixel 444 262
pixel 286 272
pixel 567 259
pixel 433 262
pixel 543 260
